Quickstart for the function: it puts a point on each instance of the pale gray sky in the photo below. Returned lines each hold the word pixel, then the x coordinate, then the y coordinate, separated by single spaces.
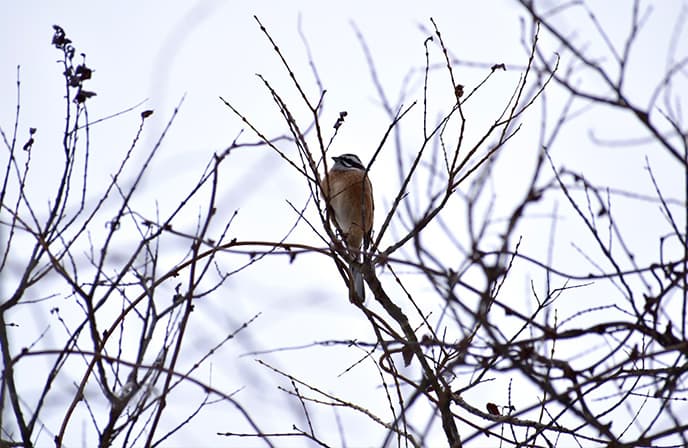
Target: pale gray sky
pixel 160 51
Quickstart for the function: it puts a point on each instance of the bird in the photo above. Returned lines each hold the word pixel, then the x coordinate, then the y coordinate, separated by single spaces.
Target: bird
pixel 348 194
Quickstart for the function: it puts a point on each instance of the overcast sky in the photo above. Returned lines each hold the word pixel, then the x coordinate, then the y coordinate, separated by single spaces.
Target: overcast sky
pixel 158 52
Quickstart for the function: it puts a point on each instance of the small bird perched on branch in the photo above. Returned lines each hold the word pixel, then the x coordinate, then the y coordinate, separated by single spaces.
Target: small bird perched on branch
pixel 349 196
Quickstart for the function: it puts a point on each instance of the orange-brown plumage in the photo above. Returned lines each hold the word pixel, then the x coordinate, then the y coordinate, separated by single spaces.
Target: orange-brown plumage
pixel 349 195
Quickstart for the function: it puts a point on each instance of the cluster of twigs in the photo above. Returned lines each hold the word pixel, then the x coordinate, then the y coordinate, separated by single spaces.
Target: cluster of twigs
pixel 129 308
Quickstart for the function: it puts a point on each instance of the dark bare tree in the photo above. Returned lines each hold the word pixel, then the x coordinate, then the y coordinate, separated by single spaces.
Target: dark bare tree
pixel 523 291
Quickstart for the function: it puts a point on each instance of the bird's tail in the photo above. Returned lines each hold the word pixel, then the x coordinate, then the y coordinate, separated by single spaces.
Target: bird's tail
pixel 357 292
